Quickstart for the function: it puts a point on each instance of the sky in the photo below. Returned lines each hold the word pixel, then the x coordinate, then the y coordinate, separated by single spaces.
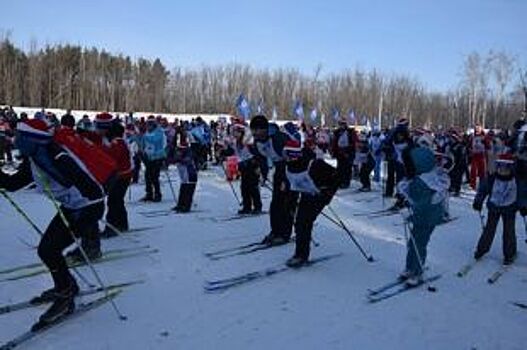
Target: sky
pixel 425 39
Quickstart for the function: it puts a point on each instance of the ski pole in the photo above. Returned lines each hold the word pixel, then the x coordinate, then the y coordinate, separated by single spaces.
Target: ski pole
pixel 481 220
pixel 383 185
pixel 171 187
pixel 340 223
pixel 408 233
pixel 79 245
pixel 230 184
pixel 525 227
pixel 3 192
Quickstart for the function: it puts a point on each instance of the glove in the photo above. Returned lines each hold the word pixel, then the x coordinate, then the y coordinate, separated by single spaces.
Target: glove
pixel 523 211
pixel 477 206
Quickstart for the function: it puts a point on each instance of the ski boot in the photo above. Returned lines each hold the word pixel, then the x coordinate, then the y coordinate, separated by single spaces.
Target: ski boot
pixel 63 305
pixel 296 262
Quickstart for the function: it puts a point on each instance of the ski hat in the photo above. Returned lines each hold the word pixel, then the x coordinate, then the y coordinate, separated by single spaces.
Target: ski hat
pixel 425 140
pixel 259 122
pixel 403 122
pixel 505 159
pixel 40 115
pixel 292 149
pixel 34 130
pixel 423 160
pixel 238 125
pixel 151 119
pixel 67 120
pixel 103 121
pixel 292 131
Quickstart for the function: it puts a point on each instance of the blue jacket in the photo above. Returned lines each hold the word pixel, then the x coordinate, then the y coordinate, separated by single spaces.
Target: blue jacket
pixel 153 144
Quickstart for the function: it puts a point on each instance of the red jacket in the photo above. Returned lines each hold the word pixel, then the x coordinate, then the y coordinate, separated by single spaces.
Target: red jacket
pixel 118 150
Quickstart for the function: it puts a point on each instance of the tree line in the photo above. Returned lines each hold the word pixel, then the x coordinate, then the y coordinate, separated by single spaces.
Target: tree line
pixel 72 77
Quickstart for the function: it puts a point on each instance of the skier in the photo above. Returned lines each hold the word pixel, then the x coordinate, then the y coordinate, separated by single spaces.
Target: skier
pixel 478 149
pixel 343 149
pixel 153 150
pixel 187 174
pixel 375 143
pixel 502 191
pixel 81 199
pixel 425 189
pixel 316 182
pixel 269 142
pixel 249 167
pixel 396 149
pixel 456 148
pixel 116 147
pixel 365 161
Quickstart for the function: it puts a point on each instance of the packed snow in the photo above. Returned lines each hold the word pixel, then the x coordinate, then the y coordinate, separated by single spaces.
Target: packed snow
pixel 323 306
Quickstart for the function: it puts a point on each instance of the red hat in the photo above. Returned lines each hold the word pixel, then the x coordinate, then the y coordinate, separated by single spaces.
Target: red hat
pixel 292 148
pixel 505 159
pixel 103 120
pixel 36 129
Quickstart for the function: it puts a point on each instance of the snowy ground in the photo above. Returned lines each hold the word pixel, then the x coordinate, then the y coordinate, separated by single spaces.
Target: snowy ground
pixel 320 307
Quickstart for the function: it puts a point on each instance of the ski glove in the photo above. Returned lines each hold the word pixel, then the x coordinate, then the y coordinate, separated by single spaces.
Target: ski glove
pixel 523 211
pixel 477 206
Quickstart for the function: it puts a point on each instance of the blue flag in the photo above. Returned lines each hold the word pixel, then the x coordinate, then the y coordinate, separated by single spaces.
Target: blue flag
pixel 299 110
pixel 351 116
pixel 336 113
pixel 314 115
pixel 242 105
pixel 260 107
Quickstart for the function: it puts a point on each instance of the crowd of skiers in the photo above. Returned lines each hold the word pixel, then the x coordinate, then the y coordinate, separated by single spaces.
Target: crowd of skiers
pixel 81 164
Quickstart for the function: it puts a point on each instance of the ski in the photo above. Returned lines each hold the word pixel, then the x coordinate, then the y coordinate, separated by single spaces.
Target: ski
pixel 381 212
pixel 402 289
pixel 232 249
pixel 444 222
pixel 79 310
pixel 28 304
pixel 143 228
pixel 519 304
pixel 498 273
pixel 223 284
pixel 167 213
pixel 243 251
pixel 39 264
pixel 238 216
pixel 42 269
pixel 385 287
pixel 465 269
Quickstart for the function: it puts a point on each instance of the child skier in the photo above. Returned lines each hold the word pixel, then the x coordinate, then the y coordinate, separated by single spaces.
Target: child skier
pixel 188 176
pixel 425 190
pixel 502 190
pixel 316 182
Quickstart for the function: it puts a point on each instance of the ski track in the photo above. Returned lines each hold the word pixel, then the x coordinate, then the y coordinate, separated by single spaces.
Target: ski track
pixel 319 307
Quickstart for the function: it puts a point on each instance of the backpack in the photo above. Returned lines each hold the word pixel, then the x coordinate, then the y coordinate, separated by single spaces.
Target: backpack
pixel 88 155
